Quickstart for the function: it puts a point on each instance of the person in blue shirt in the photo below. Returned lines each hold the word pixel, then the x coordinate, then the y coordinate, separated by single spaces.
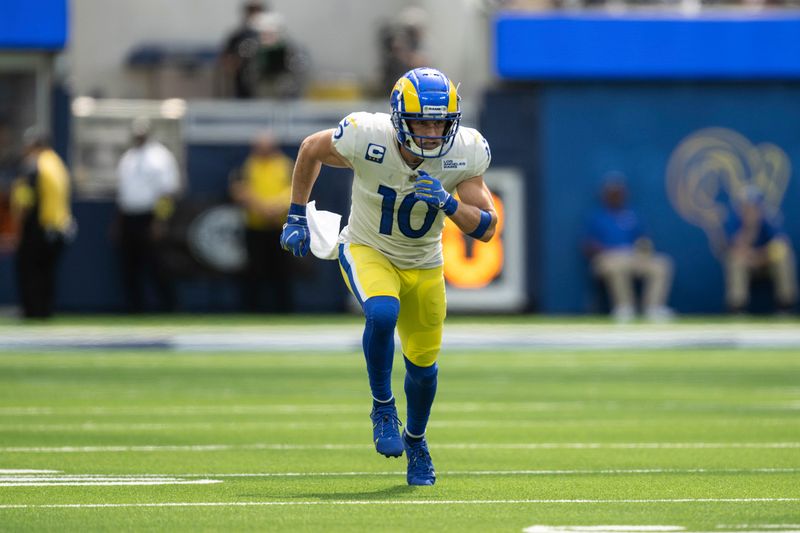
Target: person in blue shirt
pixel 620 251
pixel 757 245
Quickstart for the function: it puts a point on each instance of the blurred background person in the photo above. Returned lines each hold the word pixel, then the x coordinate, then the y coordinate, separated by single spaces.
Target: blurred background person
pixel 239 55
pixel 401 46
pixel 263 188
pixel 620 251
pixel 148 184
pixel 40 202
pixel 259 60
pixel 8 157
pixel 8 167
pixel 281 63
pixel 757 246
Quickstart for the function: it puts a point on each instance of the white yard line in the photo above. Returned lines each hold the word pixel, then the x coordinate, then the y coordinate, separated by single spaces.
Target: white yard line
pixel 292 409
pixel 339 409
pixel 621 445
pixel 601 529
pixel 650 529
pixel 449 446
pixel 609 471
pixel 21 478
pixel 17 478
pixel 399 503
pixel 759 526
pixel 330 425
pixel 95 477
pixel 13 471
pixel 106 483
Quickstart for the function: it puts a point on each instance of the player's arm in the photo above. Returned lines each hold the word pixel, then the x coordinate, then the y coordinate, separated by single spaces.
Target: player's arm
pixel 474 214
pixel 316 150
pixel 476 209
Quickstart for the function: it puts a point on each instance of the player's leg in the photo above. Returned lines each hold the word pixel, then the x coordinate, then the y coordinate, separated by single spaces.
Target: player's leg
pixel 614 268
pixel 656 271
pixel 133 246
pixel 50 254
pixel 374 282
pixel 27 273
pixel 784 273
pixel 420 324
pixel 737 281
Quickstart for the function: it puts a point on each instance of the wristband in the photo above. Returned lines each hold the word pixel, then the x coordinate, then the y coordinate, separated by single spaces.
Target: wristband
pixel 297 210
pixel 483 225
pixel 450 206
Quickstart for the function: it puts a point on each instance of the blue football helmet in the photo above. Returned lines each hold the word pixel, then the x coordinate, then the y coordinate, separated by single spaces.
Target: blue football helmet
pixel 425 94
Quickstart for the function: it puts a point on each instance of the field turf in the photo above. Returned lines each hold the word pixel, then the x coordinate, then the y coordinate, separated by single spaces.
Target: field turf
pixel 702 440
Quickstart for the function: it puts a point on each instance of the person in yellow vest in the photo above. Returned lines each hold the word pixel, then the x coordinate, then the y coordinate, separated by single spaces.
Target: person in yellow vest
pixel 40 201
pixel 263 189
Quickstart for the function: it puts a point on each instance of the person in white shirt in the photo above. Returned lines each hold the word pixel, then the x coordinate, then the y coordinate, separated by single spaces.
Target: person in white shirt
pixel 148 182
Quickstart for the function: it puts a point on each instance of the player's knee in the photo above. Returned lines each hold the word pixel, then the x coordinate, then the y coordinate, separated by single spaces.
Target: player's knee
pixel 662 264
pixel 424 376
pixel 382 311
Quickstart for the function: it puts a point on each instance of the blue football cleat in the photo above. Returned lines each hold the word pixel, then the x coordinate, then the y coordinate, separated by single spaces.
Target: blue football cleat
pixel 420 465
pixel 386 431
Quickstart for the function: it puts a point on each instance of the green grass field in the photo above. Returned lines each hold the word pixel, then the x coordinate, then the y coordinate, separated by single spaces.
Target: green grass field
pixel 708 440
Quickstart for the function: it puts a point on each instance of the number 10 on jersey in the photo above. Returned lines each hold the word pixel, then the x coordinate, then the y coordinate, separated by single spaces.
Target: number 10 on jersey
pixel 403 214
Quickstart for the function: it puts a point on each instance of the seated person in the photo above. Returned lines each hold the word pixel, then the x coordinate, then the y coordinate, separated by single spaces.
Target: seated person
pixel 757 245
pixel 619 252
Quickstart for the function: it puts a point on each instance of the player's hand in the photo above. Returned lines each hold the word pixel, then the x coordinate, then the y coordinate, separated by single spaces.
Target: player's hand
pixel 295 237
pixel 430 190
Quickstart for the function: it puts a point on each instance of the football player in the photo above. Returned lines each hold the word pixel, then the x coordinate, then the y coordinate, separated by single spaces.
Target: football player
pixel 408 165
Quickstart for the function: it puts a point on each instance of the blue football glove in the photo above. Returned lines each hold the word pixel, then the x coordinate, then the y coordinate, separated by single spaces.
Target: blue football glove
pixel 430 190
pixel 295 237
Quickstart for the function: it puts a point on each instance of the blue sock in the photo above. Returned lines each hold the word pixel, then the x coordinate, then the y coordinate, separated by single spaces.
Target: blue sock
pixel 420 389
pixel 378 342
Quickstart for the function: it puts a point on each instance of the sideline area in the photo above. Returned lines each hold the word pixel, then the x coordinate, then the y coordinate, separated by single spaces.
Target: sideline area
pixel 343 334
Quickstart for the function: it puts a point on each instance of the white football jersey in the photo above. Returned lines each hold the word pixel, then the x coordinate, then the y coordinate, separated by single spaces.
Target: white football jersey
pixel 384 213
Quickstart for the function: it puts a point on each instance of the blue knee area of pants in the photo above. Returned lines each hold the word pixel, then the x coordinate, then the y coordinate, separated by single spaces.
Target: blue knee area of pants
pixel 422 376
pixel 381 313
pixel 420 387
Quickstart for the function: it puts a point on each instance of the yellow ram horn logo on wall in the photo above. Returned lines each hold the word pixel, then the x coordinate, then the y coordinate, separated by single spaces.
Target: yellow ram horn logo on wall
pixel 710 168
